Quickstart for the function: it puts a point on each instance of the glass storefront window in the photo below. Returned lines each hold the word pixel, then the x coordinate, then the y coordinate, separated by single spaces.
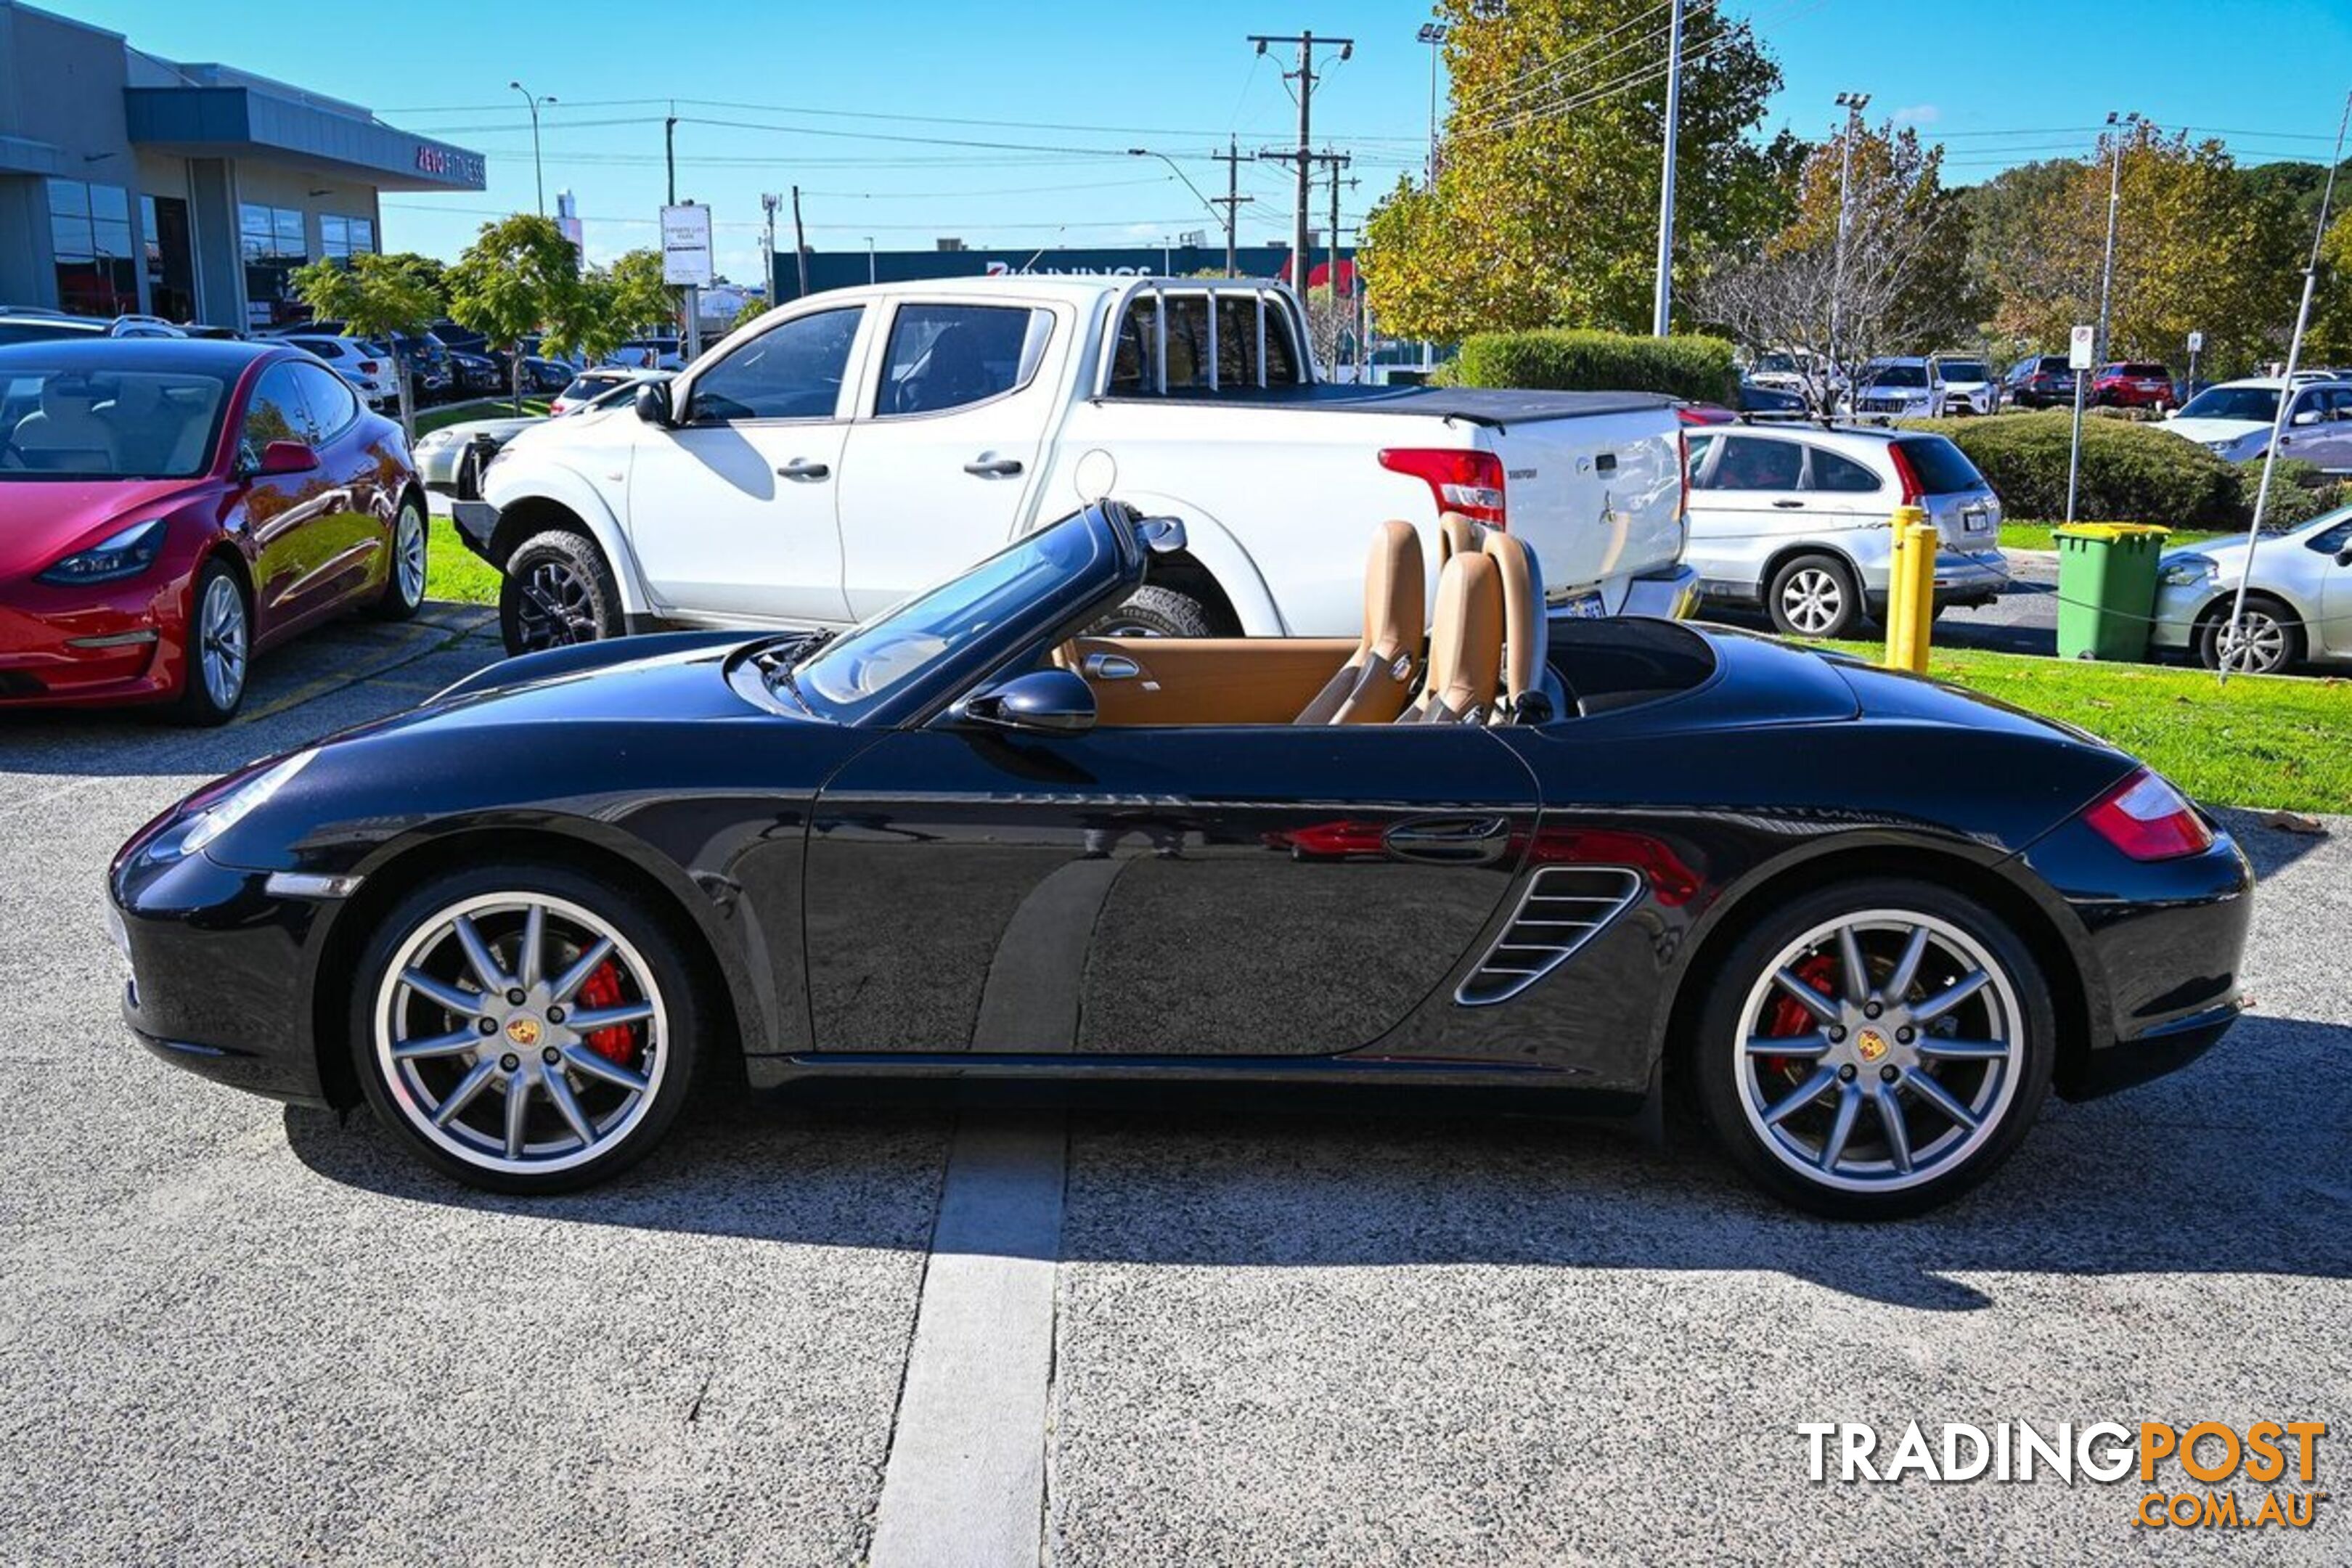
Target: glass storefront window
pixel 89 232
pixel 345 235
pixel 171 267
pixel 271 238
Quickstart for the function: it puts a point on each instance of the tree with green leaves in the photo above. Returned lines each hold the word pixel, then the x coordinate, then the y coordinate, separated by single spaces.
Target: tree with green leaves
pixel 519 276
pixel 1545 208
pixel 375 297
pixel 614 303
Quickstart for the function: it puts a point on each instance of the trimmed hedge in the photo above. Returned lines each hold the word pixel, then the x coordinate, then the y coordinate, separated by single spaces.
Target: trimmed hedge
pixel 2131 473
pixel 1575 360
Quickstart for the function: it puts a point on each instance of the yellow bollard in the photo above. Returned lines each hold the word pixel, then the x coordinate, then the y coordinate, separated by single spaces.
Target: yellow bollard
pixel 1911 591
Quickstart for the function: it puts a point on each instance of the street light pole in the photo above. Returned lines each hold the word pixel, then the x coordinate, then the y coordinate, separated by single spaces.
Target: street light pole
pixel 537 178
pixel 1663 304
pixel 1854 103
pixel 2118 125
pixel 869 259
pixel 1433 34
pixel 1175 169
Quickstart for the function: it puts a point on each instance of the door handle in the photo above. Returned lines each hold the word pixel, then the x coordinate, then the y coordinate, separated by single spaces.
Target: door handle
pixel 993 467
pixel 1452 841
pixel 802 469
pixel 1789 504
pixel 1110 667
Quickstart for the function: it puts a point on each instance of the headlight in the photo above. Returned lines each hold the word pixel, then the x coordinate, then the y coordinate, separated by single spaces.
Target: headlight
pixel 126 554
pixel 435 438
pixel 2222 448
pixel 226 810
pixel 2187 571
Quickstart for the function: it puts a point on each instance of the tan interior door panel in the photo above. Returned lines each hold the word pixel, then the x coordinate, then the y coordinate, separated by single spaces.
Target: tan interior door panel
pixel 1203 680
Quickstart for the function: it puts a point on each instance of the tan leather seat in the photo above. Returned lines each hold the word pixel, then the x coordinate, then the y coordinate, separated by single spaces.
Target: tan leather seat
pixel 1465 645
pixel 1373 685
pixel 65 433
pixel 1526 640
pixel 1456 534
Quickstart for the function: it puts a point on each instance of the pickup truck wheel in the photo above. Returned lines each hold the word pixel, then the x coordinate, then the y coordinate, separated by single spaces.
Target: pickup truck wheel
pixel 1158 613
pixel 558 591
pixel 1814 596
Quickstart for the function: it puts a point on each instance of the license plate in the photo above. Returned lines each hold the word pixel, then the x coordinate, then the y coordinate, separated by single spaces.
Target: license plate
pixel 1583 607
pixel 1975 521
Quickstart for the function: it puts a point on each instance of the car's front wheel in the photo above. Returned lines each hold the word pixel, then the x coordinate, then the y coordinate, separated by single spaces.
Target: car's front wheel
pixel 1875 1049
pixel 525 1028
pixel 1814 596
pixel 558 591
pixel 403 587
pixel 2265 639
pixel 219 652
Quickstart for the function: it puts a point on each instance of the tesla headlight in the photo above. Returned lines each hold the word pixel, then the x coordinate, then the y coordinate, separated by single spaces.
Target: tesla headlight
pixel 2187 571
pixel 214 816
pixel 125 554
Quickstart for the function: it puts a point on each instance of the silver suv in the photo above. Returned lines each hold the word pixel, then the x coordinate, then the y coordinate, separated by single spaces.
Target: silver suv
pixel 1799 520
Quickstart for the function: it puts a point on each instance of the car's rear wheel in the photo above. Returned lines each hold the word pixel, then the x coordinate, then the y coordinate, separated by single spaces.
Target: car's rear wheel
pixel 1875 1049
pixel 219 653
pixel 2267 639
pixel 1815 595
pixel 525 1028
pixel 558 591
pixel 403 587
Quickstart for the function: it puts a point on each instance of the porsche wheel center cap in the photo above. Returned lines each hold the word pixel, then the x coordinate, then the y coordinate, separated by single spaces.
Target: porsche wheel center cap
pixel 524 1030
pixel 1868 1044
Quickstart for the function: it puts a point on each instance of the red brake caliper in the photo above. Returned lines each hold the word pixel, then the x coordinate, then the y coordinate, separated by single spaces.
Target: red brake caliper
pixel 603 989
pixel 1788 1016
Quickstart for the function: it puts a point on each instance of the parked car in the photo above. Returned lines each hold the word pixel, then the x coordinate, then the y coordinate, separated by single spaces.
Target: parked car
pixel 546 375
pixel 527 924
pixel 1800 521
pixel 2131 384
pixel 2298 599
pixel 1813 377
pixel 918 425
pixel 135 325
pixel 27 326
pixel 1968 386
pixel 173 506
pixel 594 386
pixel 1907 388
pixel 368 369
pixel 2234 420
pixel 452 458
pixel 2040 381
pixel 1758 397
pixel 475 374
pixel 646 354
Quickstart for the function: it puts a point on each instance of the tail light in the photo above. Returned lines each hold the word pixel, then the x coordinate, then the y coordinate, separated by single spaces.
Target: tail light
pixel 1914 492
pixel 2149 819
pixel 1468 482
pixel 369 367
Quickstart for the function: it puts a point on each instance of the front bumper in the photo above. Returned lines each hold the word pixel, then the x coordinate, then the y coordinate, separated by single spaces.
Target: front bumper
pixel 2173 626
pixel 477 521
pixel 100 645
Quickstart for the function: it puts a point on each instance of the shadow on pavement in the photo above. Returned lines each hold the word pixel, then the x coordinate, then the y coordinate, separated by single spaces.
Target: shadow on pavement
pixel 1253 1177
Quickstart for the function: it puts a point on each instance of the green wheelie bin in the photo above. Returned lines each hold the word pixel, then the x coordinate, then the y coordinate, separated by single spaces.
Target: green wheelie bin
pixel 2107 588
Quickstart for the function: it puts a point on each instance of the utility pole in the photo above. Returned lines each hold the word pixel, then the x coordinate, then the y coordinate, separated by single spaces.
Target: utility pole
pixel 1662 309
pixel 800 243
pixel 669 150
pixel 1303 157
pixel 1337 161
pixel 1433 34
pixel 769 203
pixel 1854 103
pixel 1234 200
pixel 2118 125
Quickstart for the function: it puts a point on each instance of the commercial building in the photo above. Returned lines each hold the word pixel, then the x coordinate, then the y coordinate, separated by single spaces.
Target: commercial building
pixel 187 191
pixel 842 269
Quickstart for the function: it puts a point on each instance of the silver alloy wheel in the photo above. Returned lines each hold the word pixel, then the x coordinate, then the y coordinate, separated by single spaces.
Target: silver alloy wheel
pixel 556 610
pixel 2255 643
pixel 485 1049
pixel 220 642
pixel 408 553
pixel 1813 600
pixel 1922 1031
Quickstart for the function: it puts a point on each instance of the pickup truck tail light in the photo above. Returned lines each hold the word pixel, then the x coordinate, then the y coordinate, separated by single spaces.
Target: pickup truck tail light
pixel 1914 492
pixel 1468 482
pixel 2149 819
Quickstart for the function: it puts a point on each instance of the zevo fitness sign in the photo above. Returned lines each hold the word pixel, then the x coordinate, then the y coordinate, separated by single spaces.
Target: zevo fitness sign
pixel 2178 1467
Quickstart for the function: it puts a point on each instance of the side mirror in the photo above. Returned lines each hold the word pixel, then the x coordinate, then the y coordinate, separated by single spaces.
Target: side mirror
pixel 286 458
pixel 653 402
pixel 2309 416
pixel 2344 556
pixel 1046 701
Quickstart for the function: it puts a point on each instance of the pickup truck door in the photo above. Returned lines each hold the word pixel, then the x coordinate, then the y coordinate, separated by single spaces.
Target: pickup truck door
pixel 731 509
pixel 946 450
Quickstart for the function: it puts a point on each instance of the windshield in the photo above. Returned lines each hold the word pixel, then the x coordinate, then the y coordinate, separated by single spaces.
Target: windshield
pixel 1776 365
pixel 1899 375
pixel 2258 404
pixel 80 424
pixel 1963 369
pixel 851 674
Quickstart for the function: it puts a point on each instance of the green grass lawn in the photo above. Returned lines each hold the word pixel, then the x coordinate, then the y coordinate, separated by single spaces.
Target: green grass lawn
pixel 454 572
pixel 2037 536
pixel 2262 741
pixel 433 419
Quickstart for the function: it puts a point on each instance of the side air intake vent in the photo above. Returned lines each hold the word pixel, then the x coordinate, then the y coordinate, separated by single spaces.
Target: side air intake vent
pixel 1559 912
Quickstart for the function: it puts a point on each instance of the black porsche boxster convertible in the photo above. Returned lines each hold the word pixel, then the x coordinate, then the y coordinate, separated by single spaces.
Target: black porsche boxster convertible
pixel 1864 922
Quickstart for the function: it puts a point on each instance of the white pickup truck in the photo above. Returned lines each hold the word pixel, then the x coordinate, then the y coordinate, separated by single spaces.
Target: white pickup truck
pixel 834 454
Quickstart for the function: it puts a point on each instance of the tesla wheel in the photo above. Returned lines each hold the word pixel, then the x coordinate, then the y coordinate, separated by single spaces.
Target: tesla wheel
pixel 527 1028
pixel 1158 613
pixel 219 649
pixel 558 591
pixel 2266 640
pixel 1875 1049
pixel 1814 596
pixel 403 587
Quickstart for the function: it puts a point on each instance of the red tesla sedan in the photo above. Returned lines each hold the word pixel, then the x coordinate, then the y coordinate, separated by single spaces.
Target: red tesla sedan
pixel 168 507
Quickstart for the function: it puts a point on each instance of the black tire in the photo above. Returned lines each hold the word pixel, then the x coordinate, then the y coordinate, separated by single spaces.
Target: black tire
pixel 404 579
pixel 2278 639
pixel 672 1055
pixel 1815 595
pixel 558 591
pixel 1733 1086
pixel 1159 612
pixel 204 701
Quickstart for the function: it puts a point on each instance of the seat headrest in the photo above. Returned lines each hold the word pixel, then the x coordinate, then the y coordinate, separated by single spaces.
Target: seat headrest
pixel 1456 535
pixel 1465 643
pixel 1526 632
pixel 1396 592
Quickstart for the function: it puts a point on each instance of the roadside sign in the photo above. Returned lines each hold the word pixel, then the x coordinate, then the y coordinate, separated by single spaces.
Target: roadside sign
pixel 2082 347
pixel 685 246
pixel 2195 341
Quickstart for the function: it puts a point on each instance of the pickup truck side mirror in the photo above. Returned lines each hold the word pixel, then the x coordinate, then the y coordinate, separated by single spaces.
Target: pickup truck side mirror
pixel 1045 701
pixel 2309 416
pixel 653 402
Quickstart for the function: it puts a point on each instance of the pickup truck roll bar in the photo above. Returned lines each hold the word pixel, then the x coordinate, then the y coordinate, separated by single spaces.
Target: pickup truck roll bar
pixel 1265 294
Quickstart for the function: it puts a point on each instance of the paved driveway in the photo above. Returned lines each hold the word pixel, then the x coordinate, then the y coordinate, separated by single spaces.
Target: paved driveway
pixel 1228 1328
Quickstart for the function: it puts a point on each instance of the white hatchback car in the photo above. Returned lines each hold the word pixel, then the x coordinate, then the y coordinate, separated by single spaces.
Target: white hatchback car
pixel 1799 520
pixel 364 368
pixel 2298 599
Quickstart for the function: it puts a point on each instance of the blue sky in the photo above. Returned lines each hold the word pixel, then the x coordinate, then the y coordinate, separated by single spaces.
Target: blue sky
pixel 2004 80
